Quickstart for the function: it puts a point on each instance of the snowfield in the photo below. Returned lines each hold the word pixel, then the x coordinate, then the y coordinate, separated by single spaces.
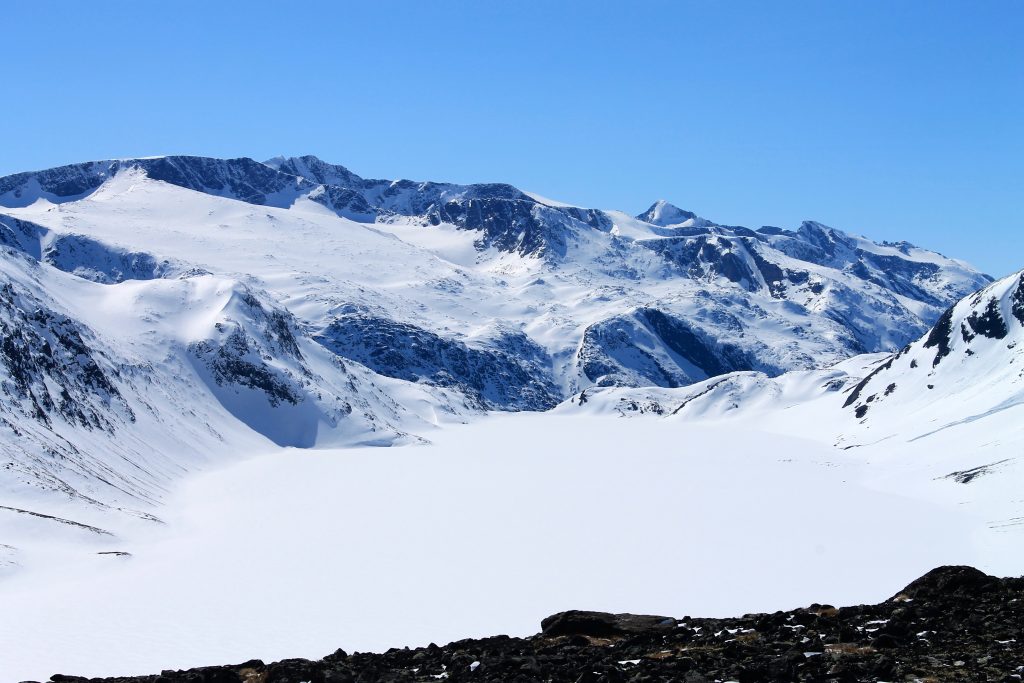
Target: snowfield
pixel 495 526
pixel 201 360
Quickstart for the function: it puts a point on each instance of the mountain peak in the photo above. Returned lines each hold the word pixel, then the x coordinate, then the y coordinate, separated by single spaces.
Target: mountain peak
pixel 664 214
pixel 314 169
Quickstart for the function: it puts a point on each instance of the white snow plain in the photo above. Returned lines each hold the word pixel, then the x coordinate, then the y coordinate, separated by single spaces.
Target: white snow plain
pixel 488 530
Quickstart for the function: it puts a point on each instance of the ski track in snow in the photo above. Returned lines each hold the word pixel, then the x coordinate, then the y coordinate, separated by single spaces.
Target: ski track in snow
pixel 1005 405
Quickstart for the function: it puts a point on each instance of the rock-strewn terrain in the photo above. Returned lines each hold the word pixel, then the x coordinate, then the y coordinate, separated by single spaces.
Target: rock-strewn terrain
pixel 953 624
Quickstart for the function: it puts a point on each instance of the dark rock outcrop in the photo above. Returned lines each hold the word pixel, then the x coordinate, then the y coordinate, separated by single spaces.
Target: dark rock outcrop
pixel 650 347
pixel 510 373
pixel 940 336
pixel 48 369
pixel 80 255
pixel 602 624
pixel 242 178
pixel 1017 301
pixel 952 624
pixel 989 322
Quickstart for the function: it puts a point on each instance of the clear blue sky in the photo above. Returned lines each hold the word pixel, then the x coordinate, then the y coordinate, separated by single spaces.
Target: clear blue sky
pixel 894 119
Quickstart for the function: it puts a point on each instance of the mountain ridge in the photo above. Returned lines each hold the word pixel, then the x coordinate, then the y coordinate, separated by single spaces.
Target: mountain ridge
pixel 210 174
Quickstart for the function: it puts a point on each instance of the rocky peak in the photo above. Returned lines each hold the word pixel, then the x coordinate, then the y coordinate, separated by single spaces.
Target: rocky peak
pixel 316 170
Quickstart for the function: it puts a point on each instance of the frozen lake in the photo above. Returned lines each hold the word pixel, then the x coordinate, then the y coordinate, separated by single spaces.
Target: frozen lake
pixel 493 527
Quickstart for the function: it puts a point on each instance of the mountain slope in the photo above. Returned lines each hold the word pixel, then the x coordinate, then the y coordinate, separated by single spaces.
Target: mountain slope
pixel 166 313
pixel 962 382
pixel 974 356
pixel 112 391
pixel 815 292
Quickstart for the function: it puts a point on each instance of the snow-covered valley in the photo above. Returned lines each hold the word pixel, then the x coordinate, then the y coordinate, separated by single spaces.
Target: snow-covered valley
pixel 203 358
pixel 498 524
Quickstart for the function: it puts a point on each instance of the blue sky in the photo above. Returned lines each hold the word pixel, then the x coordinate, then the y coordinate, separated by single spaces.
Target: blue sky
pixel 896 120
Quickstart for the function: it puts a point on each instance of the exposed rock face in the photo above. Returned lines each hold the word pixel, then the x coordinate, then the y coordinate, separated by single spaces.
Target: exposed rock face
pixel 512 374
pixel 80 255
pixel 47 368
pixel 242 178
pixel 1018 301
pixel 253 364
pixel 239 354
pixel 952 624
pixel 939 337
pixel 507 219
pixel 649 347
pixel 988 322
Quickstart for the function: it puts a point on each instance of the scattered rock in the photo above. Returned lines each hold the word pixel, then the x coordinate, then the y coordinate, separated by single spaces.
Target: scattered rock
pixel 971 626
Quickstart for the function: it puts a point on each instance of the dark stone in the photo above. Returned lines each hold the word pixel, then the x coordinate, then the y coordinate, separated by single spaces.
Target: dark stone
pixel 941 336
pixel 1017 301
pixel 961 580
pixel 884 642
pixel 603 624
pixel 883 667
pixel 990 322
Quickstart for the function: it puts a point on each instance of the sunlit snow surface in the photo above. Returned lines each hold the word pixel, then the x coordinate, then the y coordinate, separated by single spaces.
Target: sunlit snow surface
pixel 698 500
pixel 496 525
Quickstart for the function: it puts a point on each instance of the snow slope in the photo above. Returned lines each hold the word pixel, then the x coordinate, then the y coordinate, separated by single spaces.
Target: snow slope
pixel 112 392
pixel 971 360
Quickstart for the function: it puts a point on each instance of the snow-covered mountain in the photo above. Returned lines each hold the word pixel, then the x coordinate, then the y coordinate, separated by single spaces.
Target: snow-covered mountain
pixel 162 311
pixel 970 365
pixel 666 298
pixel 960 382
pixel 110 392
pixel 165 318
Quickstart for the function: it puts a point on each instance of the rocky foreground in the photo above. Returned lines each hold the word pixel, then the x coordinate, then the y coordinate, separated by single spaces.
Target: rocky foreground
pixel 952 624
